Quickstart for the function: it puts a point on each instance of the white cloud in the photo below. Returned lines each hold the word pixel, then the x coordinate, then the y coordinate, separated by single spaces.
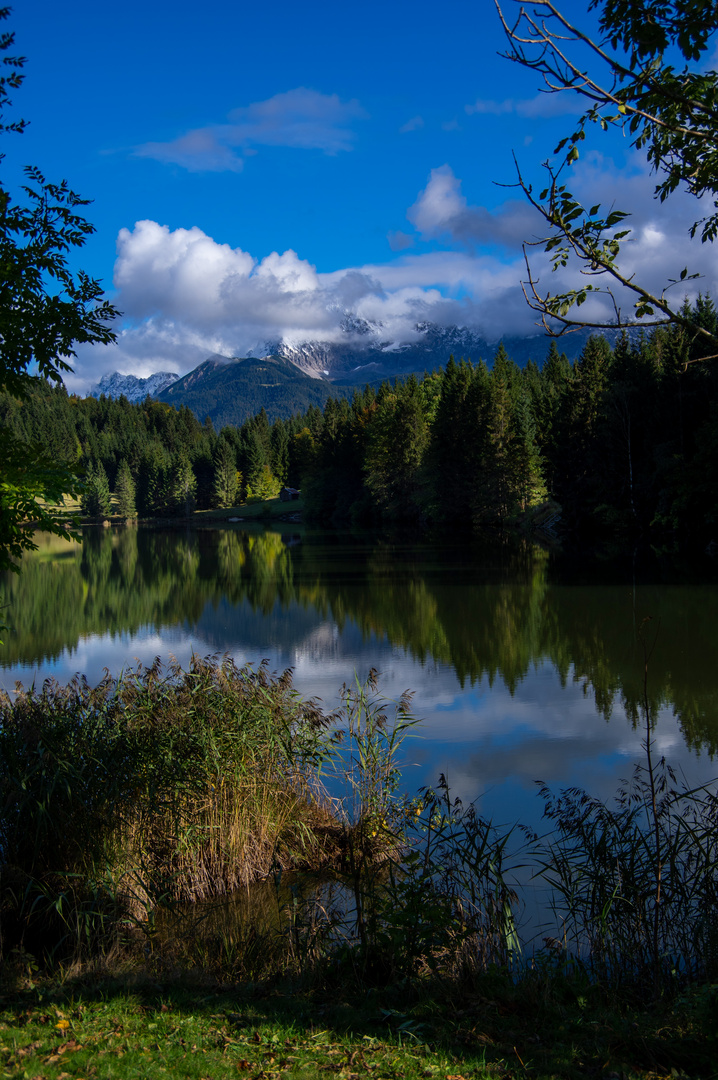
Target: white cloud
pixel 300 118
pixel 441 210
pixel 658 249
pixel 186 296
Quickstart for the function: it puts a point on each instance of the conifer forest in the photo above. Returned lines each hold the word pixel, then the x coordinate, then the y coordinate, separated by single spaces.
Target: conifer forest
pixel 621 444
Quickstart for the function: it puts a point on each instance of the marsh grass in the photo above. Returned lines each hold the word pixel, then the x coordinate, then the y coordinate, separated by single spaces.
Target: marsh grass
pixel 635 882
pixel 158 787
pixel 635 895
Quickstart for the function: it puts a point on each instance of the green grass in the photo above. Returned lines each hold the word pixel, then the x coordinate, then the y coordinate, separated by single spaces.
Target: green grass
pixel 265 508
pixel 148 1032
pixel 149 1028
pixel 252 511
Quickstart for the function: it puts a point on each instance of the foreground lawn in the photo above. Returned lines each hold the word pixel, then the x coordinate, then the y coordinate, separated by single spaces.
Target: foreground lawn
pixel 149 1033
pixel 152 1030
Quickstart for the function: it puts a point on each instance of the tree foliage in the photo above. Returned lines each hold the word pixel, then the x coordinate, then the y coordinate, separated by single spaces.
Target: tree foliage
pixel 644 74
pixel 226 478
pixel 96 494
pixel 125 492
pixel 45 311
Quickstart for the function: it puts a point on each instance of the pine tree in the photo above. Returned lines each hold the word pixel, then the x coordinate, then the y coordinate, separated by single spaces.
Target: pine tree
pixel 153 481
pixel 96 496
pixel 397 440
pixel 226 477
pixel 279 461
pixel 496 481
pixel 451 451
pixel 125 492
pixel 183 487
pixel 266 486
pixel 255 459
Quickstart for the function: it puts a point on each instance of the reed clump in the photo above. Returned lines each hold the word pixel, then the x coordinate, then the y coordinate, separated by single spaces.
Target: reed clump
pixel 163 785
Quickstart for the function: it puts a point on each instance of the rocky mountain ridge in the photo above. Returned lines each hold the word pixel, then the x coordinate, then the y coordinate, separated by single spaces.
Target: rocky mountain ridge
pixel 134 389
pixel 365 354
pixel 284 376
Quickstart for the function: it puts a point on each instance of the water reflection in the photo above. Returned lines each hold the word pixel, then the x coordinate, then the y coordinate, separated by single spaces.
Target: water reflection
pixel 518 668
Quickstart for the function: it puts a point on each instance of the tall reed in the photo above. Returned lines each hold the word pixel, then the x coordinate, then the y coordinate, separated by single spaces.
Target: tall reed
pixel 429 880
pixel 635 883
pixel 162 783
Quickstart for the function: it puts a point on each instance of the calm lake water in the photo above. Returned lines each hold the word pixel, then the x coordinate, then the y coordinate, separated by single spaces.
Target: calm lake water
pixel 524 667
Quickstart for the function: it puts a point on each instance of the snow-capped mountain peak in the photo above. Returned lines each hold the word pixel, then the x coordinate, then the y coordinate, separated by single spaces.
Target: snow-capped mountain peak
pixel 134 389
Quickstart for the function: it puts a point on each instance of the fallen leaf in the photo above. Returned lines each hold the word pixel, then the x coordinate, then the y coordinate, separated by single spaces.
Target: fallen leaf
pixel 29 1049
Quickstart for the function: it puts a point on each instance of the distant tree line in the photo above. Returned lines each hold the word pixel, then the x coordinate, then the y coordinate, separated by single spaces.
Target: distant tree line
pixel 157 460
pixel 624 440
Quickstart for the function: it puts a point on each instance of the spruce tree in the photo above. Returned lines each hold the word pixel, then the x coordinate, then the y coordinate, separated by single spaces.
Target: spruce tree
pixel 96 496
pixel 255 459
pixel 279 461
pixel 226 477
pixel 183 487
pixel 125 492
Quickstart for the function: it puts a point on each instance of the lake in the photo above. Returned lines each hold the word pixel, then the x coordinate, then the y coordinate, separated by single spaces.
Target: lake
pixel 525 665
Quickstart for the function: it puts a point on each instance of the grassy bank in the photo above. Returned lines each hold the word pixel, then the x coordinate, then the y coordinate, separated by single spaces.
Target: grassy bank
pixel 257 510
pixel 144 1027
pixel 261 509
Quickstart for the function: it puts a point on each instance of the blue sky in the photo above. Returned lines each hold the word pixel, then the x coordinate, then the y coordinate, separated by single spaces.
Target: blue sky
pixel 260 170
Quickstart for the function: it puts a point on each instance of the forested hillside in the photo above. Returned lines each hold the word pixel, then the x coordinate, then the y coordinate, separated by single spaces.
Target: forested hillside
pixel 624 439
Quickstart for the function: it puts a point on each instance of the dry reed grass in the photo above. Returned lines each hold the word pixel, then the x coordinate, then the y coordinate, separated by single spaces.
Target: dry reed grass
pixel 163 785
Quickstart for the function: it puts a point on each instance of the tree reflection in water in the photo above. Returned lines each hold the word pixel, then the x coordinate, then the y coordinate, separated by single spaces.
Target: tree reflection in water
pixel 491 609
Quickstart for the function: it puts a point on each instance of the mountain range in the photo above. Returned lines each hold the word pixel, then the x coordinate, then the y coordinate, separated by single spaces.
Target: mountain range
pixel 286 377
pixel 364 354
pixel 229 391
pixel 129 386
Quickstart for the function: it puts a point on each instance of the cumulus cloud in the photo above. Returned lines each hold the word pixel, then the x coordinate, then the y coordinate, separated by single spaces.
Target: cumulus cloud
pixel 659 246
pixel 441 210
pixel 300 118
pixel 186 296
pixel 658 249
